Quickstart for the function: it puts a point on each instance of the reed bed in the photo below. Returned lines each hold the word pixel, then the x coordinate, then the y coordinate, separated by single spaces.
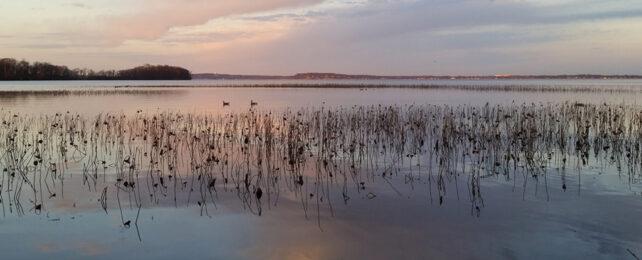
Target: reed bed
pixel 316 156
pixel 89 92
pixel 461 87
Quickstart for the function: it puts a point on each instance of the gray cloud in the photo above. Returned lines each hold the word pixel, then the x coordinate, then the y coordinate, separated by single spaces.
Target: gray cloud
pixel 378 37
pixel 277 17
pixel 408 38
pixel 387 20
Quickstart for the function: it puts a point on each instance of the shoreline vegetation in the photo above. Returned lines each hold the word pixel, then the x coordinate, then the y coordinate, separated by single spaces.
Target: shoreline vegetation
pixel 167 158
pixel 460 87
pixel 4 94
pixel 337 76
pixel 14 70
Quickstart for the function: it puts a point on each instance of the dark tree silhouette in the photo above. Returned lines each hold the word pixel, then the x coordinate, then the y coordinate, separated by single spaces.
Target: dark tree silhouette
pixel 11 69
pixel 152 72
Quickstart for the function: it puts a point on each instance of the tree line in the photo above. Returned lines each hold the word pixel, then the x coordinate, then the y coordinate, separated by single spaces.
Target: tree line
pixel 11 69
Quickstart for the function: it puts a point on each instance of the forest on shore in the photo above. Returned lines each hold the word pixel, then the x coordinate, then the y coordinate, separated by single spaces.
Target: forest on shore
pixel 12 69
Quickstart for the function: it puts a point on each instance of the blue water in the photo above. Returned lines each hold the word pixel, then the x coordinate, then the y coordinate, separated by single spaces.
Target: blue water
pixel 596 217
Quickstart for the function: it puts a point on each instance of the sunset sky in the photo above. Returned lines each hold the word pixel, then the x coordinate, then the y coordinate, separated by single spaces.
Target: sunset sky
pixel 347 36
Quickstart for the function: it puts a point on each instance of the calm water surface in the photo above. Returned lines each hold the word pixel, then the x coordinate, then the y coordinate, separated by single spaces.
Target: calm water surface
pixel 178 95
pixel 595 217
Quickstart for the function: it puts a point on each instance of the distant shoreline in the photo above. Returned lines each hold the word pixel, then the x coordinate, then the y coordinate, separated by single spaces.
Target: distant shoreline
pixel 336 76
pixel 460 87
pixel 14 70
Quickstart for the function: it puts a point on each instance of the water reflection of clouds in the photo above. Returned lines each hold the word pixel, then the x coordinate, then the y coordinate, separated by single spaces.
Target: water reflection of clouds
pixel 386 228
pixel 82 248
pixel 392 225
pixel 210 100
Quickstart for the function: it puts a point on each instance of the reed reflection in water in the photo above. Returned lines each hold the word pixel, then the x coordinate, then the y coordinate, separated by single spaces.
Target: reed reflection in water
pixel 318 157
pixel 348 165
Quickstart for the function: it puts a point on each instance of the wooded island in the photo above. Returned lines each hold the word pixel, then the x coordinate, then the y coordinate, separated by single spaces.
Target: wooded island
pixel 11 69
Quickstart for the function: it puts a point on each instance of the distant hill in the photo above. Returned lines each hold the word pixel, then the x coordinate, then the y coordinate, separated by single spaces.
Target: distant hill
pixel 11 69
pixel 317 76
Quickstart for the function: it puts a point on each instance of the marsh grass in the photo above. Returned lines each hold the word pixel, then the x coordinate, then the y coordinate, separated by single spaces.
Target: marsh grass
pixel 507 87
pixel 89 92
pixel 316 156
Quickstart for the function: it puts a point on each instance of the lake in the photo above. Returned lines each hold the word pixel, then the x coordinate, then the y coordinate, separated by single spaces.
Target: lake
pixel 452 169
pixel 194 96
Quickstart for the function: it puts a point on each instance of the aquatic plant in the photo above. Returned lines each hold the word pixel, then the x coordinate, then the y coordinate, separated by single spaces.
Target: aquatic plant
pixel 316 156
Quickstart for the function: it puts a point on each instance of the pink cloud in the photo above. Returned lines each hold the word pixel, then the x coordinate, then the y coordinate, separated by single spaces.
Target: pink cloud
pixel 161 15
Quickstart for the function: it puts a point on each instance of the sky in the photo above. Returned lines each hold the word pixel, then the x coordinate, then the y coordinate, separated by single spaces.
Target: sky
pixel 283 37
